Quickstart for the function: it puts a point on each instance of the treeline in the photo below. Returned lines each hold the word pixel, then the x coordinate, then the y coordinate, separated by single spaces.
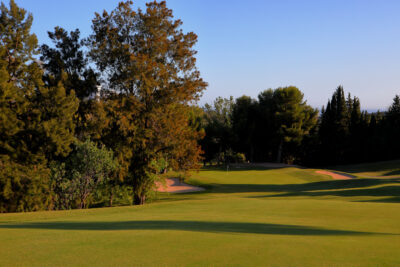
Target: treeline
pixel 95 119
pixel 279 126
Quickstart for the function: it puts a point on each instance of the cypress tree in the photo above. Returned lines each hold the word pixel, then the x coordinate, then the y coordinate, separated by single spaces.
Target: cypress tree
pixel 334 128
pixel 393 128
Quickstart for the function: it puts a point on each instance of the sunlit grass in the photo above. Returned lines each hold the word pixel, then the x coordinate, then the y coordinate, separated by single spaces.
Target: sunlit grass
pixel 287 216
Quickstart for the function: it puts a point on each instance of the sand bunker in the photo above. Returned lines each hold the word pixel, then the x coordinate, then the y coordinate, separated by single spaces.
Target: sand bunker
pixel 173 185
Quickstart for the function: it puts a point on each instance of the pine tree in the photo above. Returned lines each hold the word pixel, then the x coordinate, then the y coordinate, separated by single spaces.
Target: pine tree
pixel 149 65
pixel 36 121
pixel 334 128
pixel 294 118
pixel 244 125
pixel 393 128
pixel 66 63
pixel 218 126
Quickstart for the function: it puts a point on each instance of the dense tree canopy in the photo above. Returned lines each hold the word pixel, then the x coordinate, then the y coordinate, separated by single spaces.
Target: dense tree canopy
pixel 36 119
pixel 149 65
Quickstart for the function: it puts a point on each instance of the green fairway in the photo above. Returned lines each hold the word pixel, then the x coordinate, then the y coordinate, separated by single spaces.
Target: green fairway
pixel 259 217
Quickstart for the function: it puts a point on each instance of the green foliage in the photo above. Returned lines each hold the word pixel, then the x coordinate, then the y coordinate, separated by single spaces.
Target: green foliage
pixel 294 118
pixel 67 57
pixel 89 166
pixel 218 128
pixel 345 133
pixel 36 120
pixel 23 187
pixel 229 156
pixel 240 158
pixel 272 126
pixel 66 63
pixel 18 45
pixel 244 119
pixel 146 114
pixel 63 188
pixel 86 170
pixel 149 65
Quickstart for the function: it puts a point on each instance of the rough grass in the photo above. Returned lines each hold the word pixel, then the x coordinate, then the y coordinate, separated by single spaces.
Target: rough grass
pixel 383 168
pixel 285 217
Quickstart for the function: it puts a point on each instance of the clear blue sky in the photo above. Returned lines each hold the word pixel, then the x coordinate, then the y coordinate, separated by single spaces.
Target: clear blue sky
pixel 247 46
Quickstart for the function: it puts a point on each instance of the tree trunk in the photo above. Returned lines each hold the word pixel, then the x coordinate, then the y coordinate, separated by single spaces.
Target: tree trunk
pixel 111 197
pixel 251 153
pixel 139 200
pixel 279 157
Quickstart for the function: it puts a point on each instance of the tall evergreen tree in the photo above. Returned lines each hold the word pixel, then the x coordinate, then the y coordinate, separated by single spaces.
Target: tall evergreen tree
pixel 218 127
pixel 36 120
pixel 149 65
pixel 334 128
pixel 294 118
pixel 392 128
pixel 67 63
pixel 244 116
pixel 266 138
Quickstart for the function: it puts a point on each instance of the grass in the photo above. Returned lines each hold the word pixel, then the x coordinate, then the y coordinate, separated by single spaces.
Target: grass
pixel 384 168
pixel 247 217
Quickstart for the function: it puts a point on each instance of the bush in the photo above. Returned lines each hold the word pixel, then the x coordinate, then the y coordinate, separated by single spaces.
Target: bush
pixel 86 169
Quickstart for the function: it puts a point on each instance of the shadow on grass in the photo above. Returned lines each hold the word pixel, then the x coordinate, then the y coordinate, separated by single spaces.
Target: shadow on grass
pixel 388 168
pixel 341 188
pixel 314 186
pixel 361 187
pixel 395 172
pixel 195 226
pixel 387 191
pixel 248 167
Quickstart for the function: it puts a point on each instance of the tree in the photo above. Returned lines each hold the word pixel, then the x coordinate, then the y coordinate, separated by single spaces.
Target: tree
pixel 80 175
pixel 218 128
pixel 294 118
pixel 334 128
pixel 89 167
pixel 36 120
pixel 266 137
pixel 64 189
pixel 244 121
pixel 149 65
pixel 392 128
pixel 66 63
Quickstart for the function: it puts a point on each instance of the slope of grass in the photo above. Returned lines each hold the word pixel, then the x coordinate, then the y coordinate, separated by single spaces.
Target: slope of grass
pixel 286 217
pixel 383 168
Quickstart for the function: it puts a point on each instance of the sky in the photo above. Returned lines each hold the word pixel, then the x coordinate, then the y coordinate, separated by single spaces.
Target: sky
pixel 247 46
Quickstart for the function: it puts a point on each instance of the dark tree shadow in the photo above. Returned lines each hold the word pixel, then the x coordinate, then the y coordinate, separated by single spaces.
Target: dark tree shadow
pixel 386 187
pixel 314 186
pixel 391 167
pixel 375 192
pixel 394 172
pixel 247 167
pixel 343 188
pixel 196 226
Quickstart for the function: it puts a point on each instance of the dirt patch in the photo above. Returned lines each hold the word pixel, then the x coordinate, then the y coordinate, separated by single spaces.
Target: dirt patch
pixel 174 185
pixel 336 176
